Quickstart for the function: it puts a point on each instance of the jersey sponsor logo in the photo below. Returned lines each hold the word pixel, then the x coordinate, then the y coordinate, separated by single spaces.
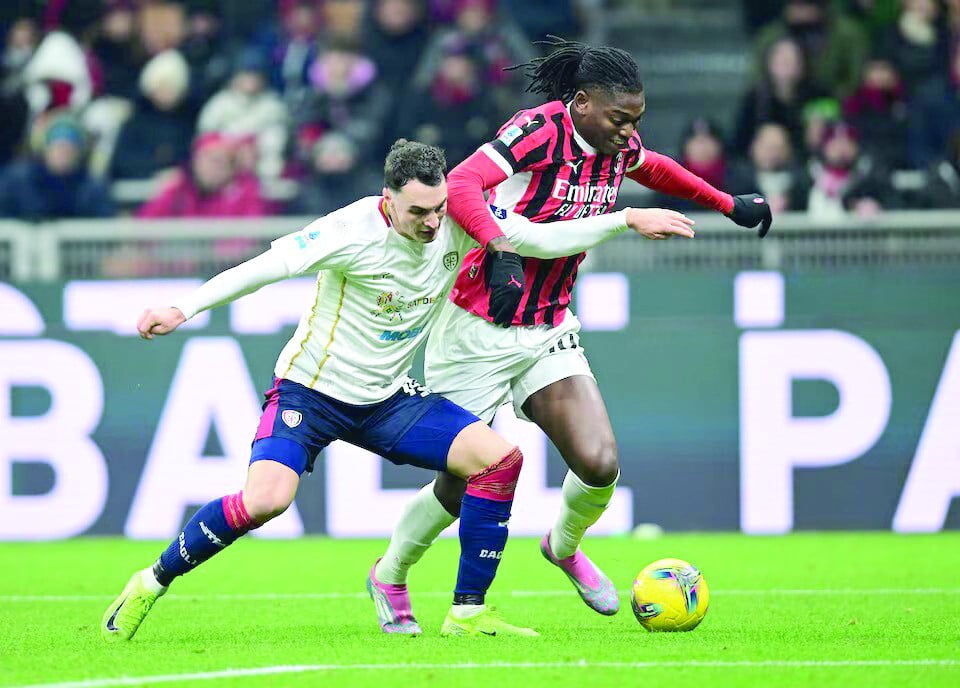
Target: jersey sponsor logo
pixel 400 335
pixel 499 213
pixel 291 418
pixel 451 260
pixel 510 134
pixel 391 305
pixel 594 194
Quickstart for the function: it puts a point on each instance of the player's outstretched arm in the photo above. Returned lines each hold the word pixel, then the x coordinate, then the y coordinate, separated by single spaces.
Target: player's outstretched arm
pixel 228 286
pixel 569 237
pixel 663 174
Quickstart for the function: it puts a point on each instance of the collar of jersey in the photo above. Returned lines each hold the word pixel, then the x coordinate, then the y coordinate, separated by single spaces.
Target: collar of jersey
pixel 582 142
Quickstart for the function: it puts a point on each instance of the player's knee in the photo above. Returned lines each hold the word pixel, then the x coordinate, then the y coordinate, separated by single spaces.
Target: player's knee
pixel 498 481
pixel 598 464
pixel 264 502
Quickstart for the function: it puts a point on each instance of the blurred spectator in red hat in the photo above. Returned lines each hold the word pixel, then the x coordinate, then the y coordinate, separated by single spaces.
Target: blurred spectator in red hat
pixel 702 151
pixel 843 180
pixel 209 186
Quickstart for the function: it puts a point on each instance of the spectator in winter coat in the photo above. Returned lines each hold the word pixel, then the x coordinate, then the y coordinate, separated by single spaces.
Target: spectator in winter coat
pixel 335 179
pixel 453 112
pixel 157 136
pixel 247 108
pixel 55 184
pixel 209 187
pixel 843 180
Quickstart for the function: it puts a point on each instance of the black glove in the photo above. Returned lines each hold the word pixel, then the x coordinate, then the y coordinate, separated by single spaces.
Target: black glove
pixel 749 210
pixel 504 277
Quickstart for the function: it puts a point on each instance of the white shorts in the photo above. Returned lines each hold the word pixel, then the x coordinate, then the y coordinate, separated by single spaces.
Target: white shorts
pixel 481 367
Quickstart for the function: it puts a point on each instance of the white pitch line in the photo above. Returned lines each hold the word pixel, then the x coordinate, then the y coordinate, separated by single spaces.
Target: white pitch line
pixel 582 664
pixel 860 592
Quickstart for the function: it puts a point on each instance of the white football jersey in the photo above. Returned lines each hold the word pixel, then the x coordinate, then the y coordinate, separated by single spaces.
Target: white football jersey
pixel 378 293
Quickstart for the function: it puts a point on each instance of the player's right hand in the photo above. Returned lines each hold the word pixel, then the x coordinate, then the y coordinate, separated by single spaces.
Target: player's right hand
pixel 504 275
pixel 659 223
pixel 159 321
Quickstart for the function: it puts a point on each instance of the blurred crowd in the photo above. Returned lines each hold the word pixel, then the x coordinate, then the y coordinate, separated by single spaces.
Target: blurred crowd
pixel 853 109
pixel 212 108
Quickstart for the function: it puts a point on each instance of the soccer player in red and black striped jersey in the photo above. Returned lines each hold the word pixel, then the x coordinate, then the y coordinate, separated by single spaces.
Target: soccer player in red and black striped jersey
pixel 564 159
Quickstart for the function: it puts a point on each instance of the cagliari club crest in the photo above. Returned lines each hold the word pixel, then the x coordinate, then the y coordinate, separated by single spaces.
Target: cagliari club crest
pixel 450 260
pixel 291 418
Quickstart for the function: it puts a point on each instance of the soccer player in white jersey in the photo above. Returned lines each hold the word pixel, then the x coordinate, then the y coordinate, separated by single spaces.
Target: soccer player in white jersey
pixel 386 265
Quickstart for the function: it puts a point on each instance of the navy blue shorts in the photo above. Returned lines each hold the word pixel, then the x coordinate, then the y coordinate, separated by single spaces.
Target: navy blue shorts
pixel 413 426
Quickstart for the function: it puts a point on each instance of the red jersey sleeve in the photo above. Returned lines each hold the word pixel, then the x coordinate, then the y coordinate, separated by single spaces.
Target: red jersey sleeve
pixel 663 174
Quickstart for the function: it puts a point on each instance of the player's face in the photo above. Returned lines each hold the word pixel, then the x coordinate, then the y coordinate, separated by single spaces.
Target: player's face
pixel 417 209
pixel 608 120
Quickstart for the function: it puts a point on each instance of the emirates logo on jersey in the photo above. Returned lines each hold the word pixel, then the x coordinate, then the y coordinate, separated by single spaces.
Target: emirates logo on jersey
pixel 594 194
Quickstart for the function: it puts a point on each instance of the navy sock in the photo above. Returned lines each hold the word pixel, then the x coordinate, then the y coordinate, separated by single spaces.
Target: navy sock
pixel 483 535
pixel 214 526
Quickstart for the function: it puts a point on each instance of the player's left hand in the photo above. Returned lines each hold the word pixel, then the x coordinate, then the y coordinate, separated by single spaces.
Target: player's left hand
pixel 750 210
pixel 504 274
pixel 159 321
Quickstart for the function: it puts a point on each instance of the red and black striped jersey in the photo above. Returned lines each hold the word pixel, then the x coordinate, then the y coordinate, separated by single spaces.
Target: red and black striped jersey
pixel 552 174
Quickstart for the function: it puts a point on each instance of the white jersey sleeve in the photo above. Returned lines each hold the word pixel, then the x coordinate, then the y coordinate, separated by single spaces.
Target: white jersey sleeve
pixel 553 239
pixel 329 243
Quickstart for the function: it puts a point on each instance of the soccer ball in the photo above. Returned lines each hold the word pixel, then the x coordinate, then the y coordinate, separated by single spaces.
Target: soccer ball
pixel 670 595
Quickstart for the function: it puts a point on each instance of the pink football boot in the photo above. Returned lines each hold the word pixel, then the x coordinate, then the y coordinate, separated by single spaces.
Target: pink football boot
pixel 393 606
pixel 595 589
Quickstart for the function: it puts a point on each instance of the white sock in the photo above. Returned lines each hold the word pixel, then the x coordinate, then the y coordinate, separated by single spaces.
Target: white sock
pixel 150 581
pixel 422 521
pixel 465 611
pixel 582 506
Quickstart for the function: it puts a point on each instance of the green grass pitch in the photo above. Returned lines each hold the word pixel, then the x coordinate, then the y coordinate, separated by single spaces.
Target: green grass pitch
pixel 861 609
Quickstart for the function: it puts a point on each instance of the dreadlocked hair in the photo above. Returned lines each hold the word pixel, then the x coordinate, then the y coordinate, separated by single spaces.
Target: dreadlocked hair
pixel 572 66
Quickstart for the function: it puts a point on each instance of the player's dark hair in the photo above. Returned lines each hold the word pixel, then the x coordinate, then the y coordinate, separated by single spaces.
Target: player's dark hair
pixel 408 160
pixel 572 66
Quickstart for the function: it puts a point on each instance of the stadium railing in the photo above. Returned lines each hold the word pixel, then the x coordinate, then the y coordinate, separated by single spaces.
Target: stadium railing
pixel 135 248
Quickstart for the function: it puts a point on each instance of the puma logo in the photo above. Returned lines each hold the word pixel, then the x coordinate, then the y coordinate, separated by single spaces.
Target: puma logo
pixel 574 164
pixel 514 282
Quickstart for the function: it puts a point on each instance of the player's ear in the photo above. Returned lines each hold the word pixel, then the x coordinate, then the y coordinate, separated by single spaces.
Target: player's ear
pixel 581 102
